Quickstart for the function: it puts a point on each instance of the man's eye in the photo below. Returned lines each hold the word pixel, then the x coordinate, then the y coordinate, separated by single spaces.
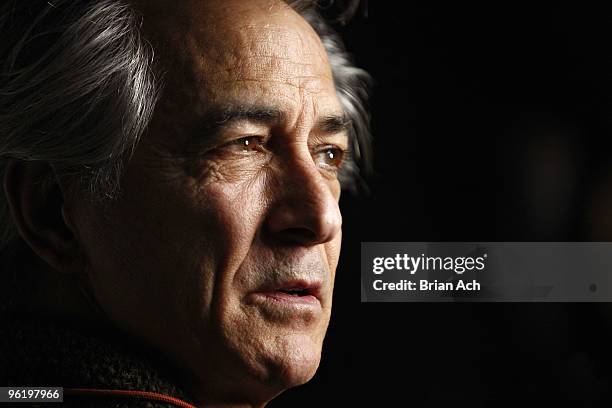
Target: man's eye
pixel 329 157
pixel 247 144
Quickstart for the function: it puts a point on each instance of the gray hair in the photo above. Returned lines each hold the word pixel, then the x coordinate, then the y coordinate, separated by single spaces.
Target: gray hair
pixel 78 89
pixel 352 85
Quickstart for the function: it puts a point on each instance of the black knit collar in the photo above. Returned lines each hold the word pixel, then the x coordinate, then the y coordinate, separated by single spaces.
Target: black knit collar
pixel 55 353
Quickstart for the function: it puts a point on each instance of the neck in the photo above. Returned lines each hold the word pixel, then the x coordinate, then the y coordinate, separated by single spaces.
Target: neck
pixel 63 297
pixel 31 287
pixel 244 393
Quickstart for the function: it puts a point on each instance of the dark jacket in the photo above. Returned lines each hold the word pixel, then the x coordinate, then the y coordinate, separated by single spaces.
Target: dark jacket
pixel 51 353
pixel 37 351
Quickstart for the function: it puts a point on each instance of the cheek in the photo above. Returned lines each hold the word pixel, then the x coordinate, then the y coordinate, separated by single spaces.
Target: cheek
pixel 163 257
pixel 233 212
pixel 229 166
pixel 236 212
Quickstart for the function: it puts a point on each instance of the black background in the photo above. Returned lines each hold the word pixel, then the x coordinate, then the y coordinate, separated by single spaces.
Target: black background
pixel 491 123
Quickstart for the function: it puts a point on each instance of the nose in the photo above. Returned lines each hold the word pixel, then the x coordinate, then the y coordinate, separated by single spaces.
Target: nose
pixel 306 210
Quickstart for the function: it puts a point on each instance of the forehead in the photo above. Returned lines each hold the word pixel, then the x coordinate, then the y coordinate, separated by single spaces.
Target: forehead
pixel 226 51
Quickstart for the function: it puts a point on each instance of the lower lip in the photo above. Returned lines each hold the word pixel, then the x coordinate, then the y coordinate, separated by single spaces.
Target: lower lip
pixel 285 300
pixel 290 299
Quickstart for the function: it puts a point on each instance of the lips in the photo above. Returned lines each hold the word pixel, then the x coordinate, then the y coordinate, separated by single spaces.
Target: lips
pixel 298 292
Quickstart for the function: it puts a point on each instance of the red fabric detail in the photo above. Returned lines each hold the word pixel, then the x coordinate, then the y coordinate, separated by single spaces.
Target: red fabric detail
pixel 154 396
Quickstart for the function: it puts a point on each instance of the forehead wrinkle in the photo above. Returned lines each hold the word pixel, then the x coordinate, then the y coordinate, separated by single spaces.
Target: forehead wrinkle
pixel 273 65
pixel 271 56
pixel 286 97
pixel 286 40
pixel 271 62
pixel 312 84
pixel 199 31
pixel 239 58
pixel 255 76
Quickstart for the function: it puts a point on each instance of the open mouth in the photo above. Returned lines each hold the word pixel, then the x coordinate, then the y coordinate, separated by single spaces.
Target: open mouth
pixel 293 293
pixel 296 292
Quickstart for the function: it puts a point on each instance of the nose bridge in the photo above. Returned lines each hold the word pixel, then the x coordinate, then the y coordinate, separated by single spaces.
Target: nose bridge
pixel 313 189
pixel 308 209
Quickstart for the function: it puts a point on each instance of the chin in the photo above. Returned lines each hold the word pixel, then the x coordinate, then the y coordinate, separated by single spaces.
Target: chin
pixel 294 360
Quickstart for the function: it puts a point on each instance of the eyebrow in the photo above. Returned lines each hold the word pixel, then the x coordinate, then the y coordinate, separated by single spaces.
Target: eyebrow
pixel 215 120
pixel 223 117
pixel 334 123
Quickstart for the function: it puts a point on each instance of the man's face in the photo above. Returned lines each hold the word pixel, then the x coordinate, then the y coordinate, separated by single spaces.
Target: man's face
pixel 223 247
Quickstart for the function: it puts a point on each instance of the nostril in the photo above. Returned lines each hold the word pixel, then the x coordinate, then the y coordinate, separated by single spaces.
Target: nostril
pixel 303 219
pixel 301 235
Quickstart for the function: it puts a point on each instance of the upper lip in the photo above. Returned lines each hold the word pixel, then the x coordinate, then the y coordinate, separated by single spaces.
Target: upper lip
pixel 312 288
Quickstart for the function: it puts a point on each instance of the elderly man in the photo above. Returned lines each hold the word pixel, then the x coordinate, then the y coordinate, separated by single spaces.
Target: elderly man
pixel 170 215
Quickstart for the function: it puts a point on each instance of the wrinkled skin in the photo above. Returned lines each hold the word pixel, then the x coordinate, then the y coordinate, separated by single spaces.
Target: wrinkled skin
pixel 206 219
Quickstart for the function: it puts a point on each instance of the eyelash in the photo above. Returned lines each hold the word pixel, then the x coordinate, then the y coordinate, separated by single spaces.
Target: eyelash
pixel 258 144
pixel 245 143
pixel 333 153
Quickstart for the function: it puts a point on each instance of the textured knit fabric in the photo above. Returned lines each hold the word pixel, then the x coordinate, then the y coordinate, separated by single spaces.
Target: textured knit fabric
pixel 52 352
pixel 43 353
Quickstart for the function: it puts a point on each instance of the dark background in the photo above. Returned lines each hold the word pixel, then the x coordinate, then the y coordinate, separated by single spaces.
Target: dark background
pixel 491 123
